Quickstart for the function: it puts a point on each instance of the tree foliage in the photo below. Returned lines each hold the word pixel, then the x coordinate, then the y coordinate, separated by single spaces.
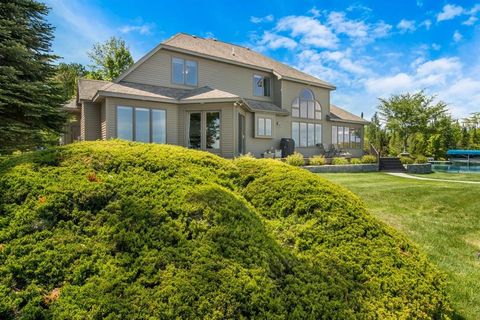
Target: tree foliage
pixel 110 59
pixel 68 74
pixel 406 114
pixel 30 99
pixel 413 123
pixel 119 230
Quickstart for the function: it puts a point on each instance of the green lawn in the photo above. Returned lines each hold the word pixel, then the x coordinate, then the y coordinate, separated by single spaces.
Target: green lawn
pixel 442 218
pixel 452 176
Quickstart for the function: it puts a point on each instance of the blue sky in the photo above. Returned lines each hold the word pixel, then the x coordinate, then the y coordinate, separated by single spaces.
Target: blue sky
pixel 368 49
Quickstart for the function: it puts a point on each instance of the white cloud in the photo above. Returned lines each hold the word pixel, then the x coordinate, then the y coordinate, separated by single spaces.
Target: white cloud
pixel 314 12
pixel 274 41
pixel 310 30
pixel 457 36
pixel 443 66
pixel 436 46
pixel 427 24
pixel 384 86
pixel 142 29
pixel 471 21
pixel 406 26
pixel 449 12
pixel 349 27
pixel 381 30
pixel 268 18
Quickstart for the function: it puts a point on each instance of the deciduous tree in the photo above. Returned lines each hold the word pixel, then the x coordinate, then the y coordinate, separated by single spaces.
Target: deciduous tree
pixel 110 59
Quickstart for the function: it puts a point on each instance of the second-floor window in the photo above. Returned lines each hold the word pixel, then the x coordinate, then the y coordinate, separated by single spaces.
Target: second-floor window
pixel 261 86
pixel 184 72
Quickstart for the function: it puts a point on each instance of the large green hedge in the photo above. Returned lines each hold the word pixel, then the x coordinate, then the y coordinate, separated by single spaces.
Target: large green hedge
pixel 135 231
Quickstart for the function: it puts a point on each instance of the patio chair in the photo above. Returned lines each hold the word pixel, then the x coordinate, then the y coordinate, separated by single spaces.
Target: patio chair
pixel 329 152
pixel 336 152
pixel 321 149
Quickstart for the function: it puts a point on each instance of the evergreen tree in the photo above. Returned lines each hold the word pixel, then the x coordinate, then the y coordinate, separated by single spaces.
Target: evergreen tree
pixel 30 100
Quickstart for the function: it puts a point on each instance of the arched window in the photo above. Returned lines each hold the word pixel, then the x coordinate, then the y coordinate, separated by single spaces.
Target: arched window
pixel 305 106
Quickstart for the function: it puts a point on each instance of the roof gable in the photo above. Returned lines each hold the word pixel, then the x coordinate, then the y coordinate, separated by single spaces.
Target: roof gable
pixel 229 53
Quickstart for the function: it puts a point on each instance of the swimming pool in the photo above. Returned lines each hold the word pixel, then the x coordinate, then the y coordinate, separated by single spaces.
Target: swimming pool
pixel 456 166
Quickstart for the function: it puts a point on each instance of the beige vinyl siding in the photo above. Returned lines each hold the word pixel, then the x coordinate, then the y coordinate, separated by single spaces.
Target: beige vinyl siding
pixel 231 78
pixel 90 121
pixel 257 146
pixel 103 121
pixel 226 123
pixel 171 110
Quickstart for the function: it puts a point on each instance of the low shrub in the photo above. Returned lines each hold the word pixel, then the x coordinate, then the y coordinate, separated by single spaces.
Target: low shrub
pixel 355 161
pixel 339 161
pixel 369 159
pixel 317 160
pixel 421 159
pixel 123 230
pixel 406 160
pixel 295 159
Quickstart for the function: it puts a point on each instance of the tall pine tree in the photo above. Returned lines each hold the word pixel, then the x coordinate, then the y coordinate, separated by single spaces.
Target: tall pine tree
pixel 30 99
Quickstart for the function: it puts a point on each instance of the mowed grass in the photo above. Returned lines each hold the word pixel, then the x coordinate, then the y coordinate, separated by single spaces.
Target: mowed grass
pixel 442 218
pixel 452 176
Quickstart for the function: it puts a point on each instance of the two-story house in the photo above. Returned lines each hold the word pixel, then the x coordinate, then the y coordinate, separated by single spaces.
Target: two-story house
pixel 215 96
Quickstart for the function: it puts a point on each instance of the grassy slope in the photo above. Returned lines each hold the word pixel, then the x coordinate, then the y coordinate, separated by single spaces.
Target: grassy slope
pixel 452 176
pixel 444 219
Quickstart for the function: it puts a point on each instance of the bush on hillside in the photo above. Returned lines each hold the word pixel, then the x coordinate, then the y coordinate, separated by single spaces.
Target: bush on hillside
pixel 339 161
pixel 295 159
pixel 406 160
pixel 369 159
pixel 421 159
pixel 355 161
pixel 318 160
pixel 123 230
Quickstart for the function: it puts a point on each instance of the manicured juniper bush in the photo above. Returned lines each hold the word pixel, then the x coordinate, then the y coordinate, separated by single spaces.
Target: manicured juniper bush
pixel 134 231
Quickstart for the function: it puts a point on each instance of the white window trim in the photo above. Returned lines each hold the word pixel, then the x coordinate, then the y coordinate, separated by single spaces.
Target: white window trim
pixel 264 119
pixel 184 72
pixel 315 111
pixel 350 144
pixel 298 143
pixel 134 122
pixel 254 85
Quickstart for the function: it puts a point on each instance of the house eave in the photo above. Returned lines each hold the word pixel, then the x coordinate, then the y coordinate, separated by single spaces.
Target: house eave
pixel 364 122
pixel 100 95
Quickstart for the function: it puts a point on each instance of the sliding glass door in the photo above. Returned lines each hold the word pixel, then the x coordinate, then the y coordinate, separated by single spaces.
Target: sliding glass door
pixel 204 130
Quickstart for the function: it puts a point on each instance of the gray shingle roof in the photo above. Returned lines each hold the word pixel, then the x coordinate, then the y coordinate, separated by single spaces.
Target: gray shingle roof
pixel 71 105
pixel 207 93
pixel 87 88
pixel 339 114
pixel 239 54
pixel 259 106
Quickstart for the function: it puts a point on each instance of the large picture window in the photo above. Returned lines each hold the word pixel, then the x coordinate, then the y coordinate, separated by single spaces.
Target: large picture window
pixel 141 124
pixel 184 72
pixel 346 137
pixel 306 134
pixel 261 86
pixel 305 106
